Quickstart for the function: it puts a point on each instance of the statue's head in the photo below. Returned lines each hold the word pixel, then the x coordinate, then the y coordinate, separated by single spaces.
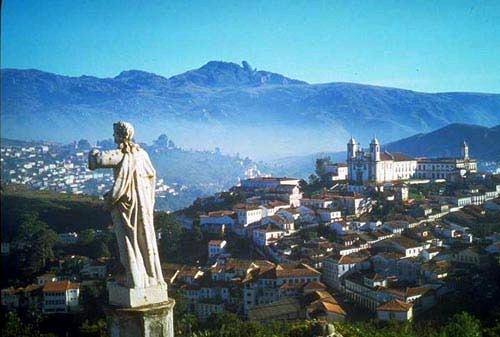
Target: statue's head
pixel 123 132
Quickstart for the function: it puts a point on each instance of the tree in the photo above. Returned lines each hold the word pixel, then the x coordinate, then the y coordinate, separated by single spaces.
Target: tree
pixel 86 236
pixel 320 166
pixel 33 244
pixel 462 325
pixel 97 329
pixel 13 326
pixel 171 234
pixel 98 248
pixel 93 299
pixel 197 233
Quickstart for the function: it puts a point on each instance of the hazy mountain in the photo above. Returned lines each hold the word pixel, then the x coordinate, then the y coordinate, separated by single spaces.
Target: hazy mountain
pixel 237 108
pixel 301 166
pixel 484 145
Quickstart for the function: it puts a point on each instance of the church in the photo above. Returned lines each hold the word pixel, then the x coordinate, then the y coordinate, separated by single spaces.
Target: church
pixel 376 166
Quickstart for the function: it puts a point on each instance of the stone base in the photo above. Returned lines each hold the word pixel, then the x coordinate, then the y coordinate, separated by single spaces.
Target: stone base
pixel 156 320
pixel 124 297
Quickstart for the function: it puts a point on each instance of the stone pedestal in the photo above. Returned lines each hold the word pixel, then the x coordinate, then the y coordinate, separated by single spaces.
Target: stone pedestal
pixel 121 296
pixel 154 320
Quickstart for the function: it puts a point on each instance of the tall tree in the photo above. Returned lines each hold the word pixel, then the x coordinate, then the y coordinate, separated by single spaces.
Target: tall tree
pixel 33 244
pixel 171 234
pixel 462 325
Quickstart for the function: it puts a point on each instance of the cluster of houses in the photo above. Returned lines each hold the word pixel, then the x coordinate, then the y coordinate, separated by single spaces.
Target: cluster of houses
pixel 258 290
pixel 48 295
pixel 53 293
pixel 394 267
pixel 275 206
pixel 59 168
pixel 395 270
pixel 338 250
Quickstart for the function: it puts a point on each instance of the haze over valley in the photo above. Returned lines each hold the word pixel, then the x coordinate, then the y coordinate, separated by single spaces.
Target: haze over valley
pixel 234 107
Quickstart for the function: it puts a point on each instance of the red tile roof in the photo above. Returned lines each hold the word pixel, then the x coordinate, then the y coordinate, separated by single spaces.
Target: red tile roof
pixel 60 286
pixel 395 305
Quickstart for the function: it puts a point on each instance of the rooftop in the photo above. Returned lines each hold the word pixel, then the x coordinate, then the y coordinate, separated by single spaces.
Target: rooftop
pixel 395 305
pixel 60 286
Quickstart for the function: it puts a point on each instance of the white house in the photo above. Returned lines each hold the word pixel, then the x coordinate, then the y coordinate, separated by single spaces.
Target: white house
pixel 216 247
pixel 430 253
pixel 337 171
pixel 217 221
pixel 328 215
pixel 334 268
pixel 283 222
pixel 60 297
pixel 318 202
pixel 45 278
pixel 266 235
pixel 248 214
pixel 395 310
pixel 409 247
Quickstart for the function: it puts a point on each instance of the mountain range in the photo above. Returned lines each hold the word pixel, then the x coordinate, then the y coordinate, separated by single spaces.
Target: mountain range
pixel 235 107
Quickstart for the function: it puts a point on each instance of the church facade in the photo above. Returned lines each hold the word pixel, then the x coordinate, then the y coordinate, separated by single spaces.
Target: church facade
pixel 377 166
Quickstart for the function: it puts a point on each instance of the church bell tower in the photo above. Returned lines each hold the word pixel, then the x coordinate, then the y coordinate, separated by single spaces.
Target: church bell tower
pixel 375 149
pixel 465 150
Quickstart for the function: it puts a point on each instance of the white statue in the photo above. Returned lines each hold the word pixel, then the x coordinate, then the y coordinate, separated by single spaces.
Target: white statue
pixel 131 202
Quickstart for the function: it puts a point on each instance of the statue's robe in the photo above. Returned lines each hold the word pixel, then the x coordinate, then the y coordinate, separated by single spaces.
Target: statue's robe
pixel 132 205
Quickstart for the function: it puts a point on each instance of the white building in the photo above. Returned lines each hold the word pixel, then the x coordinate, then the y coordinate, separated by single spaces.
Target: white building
pixel 376 166
pixel 317 202
pixel 445 168
pixel 266 235
pixel 216 247
pixel 60 297
pixel 336 267
pixel 328 215
pixel 395 310
pixel 217 221
pixel 337 171
pixel 248 214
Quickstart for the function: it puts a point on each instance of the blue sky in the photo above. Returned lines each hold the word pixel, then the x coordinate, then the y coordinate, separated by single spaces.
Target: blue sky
pixel 420 45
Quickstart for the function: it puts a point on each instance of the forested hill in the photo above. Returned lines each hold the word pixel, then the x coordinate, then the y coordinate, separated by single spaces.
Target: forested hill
pixel 62 212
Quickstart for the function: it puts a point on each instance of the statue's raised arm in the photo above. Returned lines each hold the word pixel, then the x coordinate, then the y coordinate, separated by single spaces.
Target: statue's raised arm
pixel 106 159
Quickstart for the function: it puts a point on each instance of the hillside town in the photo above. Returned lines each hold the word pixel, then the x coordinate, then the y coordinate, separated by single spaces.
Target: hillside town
pixel 381 236
pixel 61 168
pixel 387 233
